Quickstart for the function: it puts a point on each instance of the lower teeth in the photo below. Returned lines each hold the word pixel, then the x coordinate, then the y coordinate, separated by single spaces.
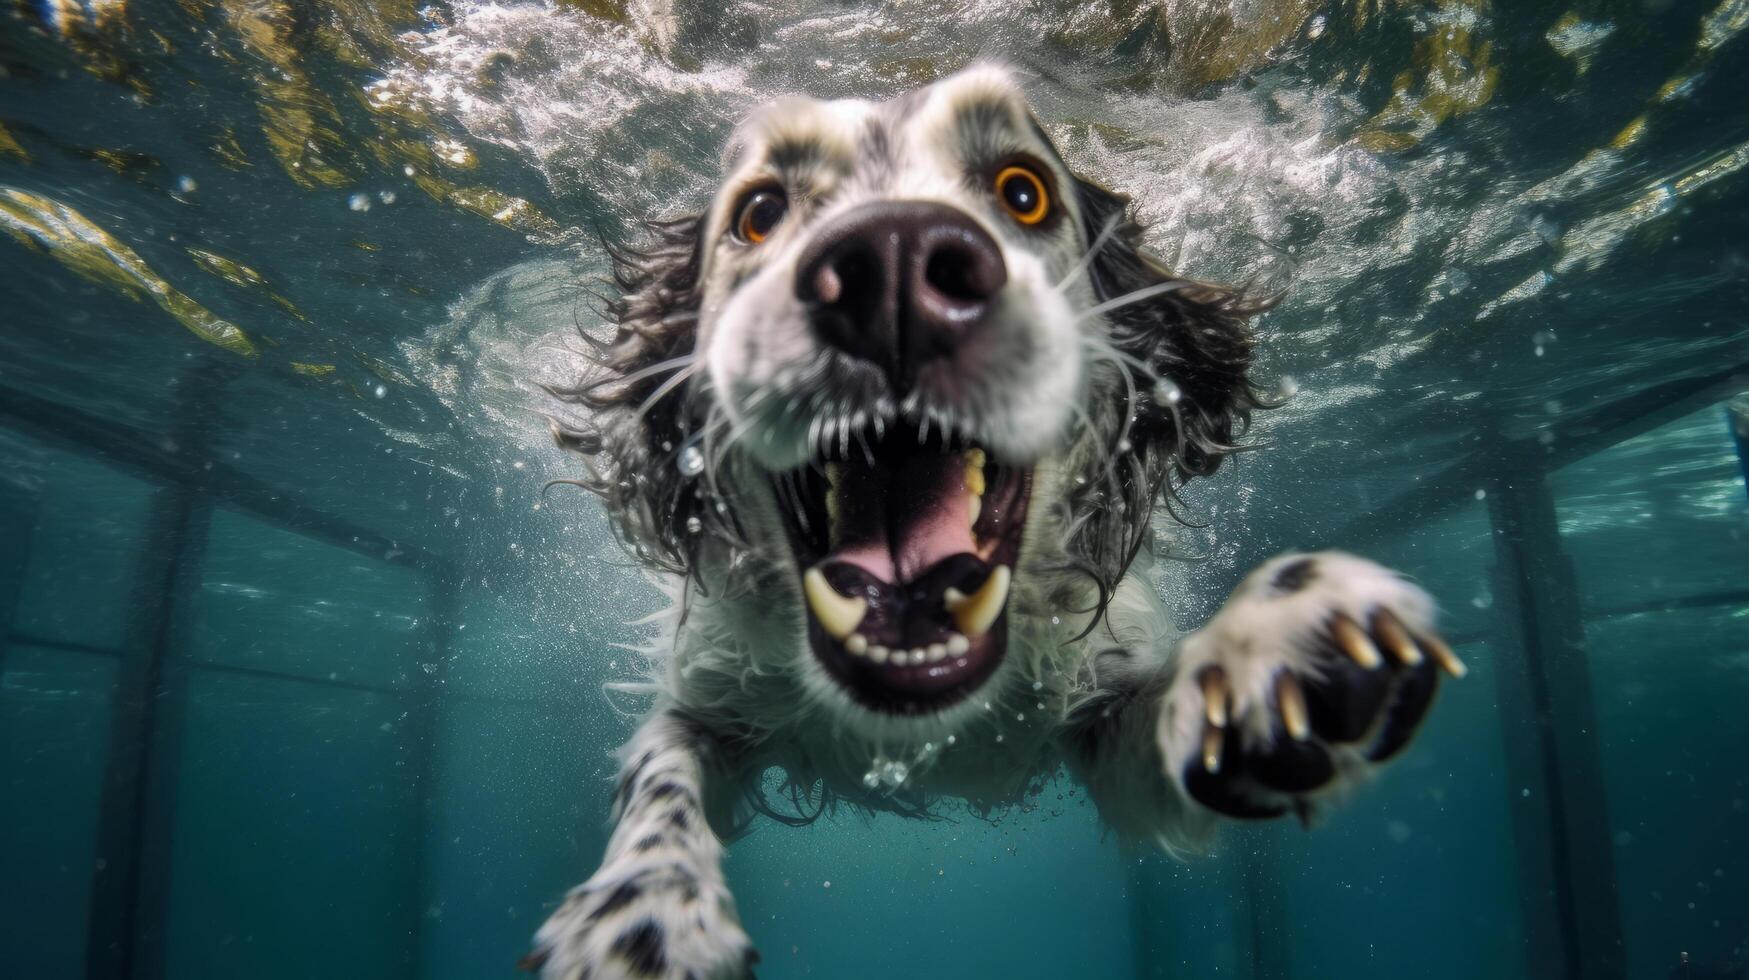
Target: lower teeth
pixel 956 644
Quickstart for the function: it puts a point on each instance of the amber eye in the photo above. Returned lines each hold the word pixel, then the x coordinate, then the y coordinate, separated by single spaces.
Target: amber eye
pixel 760 213
pixel 1023 193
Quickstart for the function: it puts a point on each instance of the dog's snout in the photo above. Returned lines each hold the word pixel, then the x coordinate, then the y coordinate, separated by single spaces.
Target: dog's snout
pixel 900 283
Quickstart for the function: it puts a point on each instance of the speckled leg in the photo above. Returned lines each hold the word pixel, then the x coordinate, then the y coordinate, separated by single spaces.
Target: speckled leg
pixel 658 906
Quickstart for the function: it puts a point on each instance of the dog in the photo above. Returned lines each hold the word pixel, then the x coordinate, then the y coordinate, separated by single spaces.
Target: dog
pixel 893 416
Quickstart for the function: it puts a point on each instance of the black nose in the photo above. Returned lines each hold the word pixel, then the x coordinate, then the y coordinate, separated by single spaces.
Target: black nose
pixel 900 283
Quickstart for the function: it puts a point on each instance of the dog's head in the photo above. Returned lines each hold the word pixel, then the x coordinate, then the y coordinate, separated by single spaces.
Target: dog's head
pixel 936 357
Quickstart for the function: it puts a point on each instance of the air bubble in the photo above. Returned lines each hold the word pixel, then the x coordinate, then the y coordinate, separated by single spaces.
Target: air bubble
pixel 694 525
pixel 1167 392
pixel 359 202
pixel 691 461
pixel 1542 339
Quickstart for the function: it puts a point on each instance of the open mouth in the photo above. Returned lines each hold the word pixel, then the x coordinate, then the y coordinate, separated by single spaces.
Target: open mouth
pixel 907 547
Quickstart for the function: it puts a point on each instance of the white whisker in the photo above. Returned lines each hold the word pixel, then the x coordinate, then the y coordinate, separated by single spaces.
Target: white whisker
pixel 1127 299
pixel 1086 260
pixel 664 388
pixel 660 367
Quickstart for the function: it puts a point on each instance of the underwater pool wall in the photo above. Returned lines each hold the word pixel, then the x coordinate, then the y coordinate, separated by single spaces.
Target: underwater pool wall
pixel 424 838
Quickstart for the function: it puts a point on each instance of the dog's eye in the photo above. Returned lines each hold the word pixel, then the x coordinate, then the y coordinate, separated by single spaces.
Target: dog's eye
pixel 760 213
pixel 1023 193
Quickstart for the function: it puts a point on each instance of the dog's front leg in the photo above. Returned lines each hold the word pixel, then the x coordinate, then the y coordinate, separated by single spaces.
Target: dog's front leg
pixel 658 906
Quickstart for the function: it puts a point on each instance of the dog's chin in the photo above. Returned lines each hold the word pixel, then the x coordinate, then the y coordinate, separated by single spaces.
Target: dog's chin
pixel 905 545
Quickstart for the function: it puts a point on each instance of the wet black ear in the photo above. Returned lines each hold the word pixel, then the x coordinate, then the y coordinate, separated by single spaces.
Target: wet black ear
pixel 1193 337
pixel 639 412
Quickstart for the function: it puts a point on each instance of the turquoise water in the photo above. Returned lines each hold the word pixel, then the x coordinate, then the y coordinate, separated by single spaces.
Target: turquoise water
pixel 302 675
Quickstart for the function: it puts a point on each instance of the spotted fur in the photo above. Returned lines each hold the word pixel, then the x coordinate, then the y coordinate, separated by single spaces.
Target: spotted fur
pixel 1114 409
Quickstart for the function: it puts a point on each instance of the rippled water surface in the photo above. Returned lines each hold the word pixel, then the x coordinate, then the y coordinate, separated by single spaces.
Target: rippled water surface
pixel 302 674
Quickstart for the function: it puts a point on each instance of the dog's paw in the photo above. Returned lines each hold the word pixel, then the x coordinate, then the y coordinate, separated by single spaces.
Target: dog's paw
pixel 1317 668
pixel 654 920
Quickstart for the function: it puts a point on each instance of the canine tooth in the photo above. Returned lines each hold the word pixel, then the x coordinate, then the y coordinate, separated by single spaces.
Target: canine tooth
pixel 974 507
pixel 976 613
pixel 856 643
pixel 838 615
pixel 957 644
pixel 976 457
pixel 975 476
pixel 878 653
pixel 937 652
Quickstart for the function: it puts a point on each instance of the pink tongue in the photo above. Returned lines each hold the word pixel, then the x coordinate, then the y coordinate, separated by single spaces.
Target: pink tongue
pixel 897 518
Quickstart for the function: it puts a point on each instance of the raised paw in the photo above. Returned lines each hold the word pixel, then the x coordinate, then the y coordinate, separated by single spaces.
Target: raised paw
pixel 1318 668
pixel 657 920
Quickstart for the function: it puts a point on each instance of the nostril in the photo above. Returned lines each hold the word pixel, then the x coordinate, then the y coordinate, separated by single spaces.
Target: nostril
pixel 953 272
pixel 962 267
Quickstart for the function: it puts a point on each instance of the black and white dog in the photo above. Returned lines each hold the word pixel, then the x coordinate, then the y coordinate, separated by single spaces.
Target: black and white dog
pixel 895 412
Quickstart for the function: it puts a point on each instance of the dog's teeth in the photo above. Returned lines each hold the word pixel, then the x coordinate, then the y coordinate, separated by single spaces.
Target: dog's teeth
pixel 901 658
pixel 957 644
pixel 878 653
pixel 856 643
pixel 838 616
pixel 937 652
pixel 974 507
pixel 976 613
pixel 975 472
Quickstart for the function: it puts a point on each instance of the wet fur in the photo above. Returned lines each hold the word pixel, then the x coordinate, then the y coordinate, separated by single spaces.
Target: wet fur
pixel 1092 679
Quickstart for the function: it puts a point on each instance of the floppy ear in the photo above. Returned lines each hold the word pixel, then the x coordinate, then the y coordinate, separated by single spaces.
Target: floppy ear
pixel 640 411
pixel 1193 338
